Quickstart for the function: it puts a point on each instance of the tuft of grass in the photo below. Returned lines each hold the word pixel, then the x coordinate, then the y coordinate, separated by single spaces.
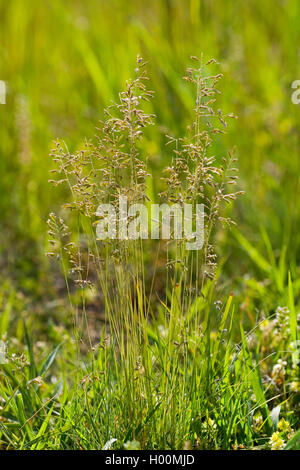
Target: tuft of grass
pixel 169 370
pixel 239 396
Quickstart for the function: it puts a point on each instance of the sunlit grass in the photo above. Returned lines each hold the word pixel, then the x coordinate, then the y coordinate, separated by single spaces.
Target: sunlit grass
pixel 226 386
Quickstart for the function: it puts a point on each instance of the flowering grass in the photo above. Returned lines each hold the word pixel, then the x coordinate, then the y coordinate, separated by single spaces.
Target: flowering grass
pixel 143 345
pixel 171 368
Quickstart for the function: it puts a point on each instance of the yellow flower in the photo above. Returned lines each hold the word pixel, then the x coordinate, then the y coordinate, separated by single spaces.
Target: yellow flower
pixel 294 386
pixel 276 442
pixel 264 325
pixel 284 426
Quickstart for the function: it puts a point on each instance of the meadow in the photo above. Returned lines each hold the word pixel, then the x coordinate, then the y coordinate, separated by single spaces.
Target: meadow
pixel 130 344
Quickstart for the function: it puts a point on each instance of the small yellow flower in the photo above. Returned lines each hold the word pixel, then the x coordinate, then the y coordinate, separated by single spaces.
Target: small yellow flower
pixel 294 386
pixel 276 442
pixel 286 429
pixel 264 324
pixel 284 426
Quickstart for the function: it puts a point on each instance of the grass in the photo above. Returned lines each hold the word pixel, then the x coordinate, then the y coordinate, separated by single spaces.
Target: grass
pixel 141 352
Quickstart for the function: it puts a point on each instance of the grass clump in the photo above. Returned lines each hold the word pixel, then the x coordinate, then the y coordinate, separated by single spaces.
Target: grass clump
pixel 171 366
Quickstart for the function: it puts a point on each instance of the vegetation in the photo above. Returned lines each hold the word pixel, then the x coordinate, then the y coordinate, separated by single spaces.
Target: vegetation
pixel 142 344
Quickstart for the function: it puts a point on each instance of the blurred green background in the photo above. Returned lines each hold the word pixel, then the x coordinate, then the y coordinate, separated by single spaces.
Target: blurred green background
pixel 63 61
